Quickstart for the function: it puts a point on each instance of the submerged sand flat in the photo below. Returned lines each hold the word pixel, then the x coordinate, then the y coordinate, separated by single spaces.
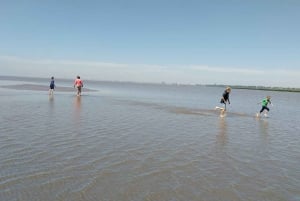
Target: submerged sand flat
pixel 36 87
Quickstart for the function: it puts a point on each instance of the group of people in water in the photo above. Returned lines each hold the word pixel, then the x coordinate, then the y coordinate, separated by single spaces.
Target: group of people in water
pixel 225 99
pixel 78 84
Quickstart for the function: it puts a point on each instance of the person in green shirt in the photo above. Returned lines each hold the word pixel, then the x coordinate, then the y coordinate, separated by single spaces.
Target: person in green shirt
pixel 264 105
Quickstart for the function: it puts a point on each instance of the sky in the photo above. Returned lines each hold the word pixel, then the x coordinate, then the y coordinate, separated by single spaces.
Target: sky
pixel 232 42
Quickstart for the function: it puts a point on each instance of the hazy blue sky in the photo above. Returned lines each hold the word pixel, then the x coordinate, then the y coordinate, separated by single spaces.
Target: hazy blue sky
pixel 248 42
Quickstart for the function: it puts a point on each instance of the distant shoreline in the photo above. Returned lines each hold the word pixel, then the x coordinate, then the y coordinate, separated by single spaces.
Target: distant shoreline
pixel 262 88
pixel 19 78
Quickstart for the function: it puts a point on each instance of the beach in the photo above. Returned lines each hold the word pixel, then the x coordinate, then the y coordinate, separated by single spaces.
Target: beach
pixel 133 141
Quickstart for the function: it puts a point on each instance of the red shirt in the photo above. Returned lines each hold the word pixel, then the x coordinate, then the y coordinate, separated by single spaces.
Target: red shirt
pixel 78 82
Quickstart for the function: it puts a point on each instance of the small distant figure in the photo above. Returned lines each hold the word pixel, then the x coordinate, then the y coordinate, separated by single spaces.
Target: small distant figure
pixel 78 83
pixel 264 108
pixel 52 86
pixel 224 100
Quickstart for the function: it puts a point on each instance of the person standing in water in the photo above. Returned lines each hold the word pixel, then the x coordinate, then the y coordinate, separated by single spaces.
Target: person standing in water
pixel 52 86
pixel 225 97
pixel 264 106
pixel 224 100
pixel 78 83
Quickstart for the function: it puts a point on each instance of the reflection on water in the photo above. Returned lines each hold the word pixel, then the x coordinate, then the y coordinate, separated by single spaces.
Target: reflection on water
pixel 222 134
pixel 264 129
pixel 77 109
pixel 263 125
pixel 51 97
pixel 77 102
pixel 51 103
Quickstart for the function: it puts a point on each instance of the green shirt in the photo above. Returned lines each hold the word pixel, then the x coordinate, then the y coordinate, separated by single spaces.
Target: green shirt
pixel 265 102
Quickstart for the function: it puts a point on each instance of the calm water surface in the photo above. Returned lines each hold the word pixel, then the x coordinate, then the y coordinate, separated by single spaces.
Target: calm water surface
pixel 133 142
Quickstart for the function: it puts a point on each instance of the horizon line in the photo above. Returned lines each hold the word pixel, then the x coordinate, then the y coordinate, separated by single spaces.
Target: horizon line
pixel 236 86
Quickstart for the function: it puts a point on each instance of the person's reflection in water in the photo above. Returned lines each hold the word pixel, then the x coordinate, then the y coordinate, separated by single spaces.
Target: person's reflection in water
pixel 77 109
pixel 51 97
pixel 222 135
pixel 51 101
pixel 264 129
pixel 51 112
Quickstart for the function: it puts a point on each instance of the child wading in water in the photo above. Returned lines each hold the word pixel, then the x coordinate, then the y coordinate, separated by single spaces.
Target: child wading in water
pixel 52 86
pixel 264 104
pixel 224 100
pixel 78 84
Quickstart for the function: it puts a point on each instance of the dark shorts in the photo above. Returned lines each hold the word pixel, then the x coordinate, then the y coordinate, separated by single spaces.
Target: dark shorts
pixel 51 86
pixel 264 108
pixel 79 88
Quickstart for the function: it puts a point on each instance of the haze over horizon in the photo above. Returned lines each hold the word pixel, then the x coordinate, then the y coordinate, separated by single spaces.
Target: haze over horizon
pixel 189 42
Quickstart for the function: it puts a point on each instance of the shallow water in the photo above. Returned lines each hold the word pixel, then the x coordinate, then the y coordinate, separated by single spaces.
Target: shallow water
pixel 147 142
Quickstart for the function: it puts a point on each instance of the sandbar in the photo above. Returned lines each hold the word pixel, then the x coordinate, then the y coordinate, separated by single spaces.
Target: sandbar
pixel 36 87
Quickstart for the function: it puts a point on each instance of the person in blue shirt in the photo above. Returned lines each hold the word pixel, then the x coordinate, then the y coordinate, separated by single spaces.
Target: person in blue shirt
pixel 52 86
pixel 225 97
pixel 224 100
